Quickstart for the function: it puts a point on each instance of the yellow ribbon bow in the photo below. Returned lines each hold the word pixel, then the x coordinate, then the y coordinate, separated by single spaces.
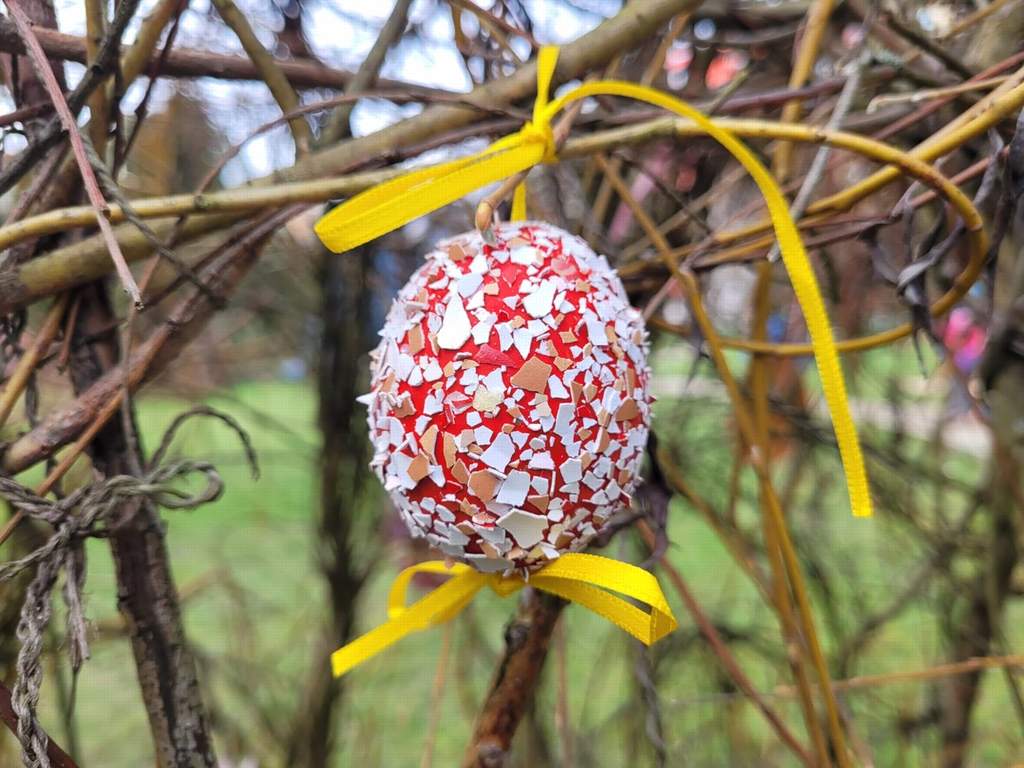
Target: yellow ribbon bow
pixel 579 578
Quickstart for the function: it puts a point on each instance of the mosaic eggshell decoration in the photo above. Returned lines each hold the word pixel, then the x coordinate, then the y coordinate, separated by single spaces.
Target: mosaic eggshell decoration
pixel 509 408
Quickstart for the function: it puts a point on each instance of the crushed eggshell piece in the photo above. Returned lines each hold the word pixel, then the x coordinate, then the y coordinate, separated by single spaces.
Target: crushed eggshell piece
pixel 533 375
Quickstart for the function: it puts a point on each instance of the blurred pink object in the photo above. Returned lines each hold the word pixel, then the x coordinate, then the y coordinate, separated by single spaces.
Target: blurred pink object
pixel 964 338
pixel 724 67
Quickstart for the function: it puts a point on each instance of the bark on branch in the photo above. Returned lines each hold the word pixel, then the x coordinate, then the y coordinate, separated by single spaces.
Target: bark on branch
pixel 191 63
pixel 527 639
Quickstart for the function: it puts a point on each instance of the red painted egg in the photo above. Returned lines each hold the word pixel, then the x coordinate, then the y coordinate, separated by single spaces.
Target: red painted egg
pixel 509 408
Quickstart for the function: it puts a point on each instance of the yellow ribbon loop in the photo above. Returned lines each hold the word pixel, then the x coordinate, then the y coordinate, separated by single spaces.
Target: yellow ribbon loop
pixel 584 579
pixel 393 204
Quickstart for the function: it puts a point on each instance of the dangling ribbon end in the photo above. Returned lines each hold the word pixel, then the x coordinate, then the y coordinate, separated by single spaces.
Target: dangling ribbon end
pixel 339 664
pixel 862 505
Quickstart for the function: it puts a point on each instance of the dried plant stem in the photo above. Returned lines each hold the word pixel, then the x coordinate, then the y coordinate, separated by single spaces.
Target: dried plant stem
pixel 759 446
pixel 721 650
pixel 810 43
pixel 774 514
pixel 95 24
pixel 964 667
pixel 932 94
pixel 773 524
pixel 269 71
pixel 67 119
pixel 436 695
pixel 28 362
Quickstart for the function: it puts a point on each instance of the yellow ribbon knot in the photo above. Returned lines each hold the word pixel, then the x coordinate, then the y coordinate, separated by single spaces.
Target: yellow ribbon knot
pixel 543 135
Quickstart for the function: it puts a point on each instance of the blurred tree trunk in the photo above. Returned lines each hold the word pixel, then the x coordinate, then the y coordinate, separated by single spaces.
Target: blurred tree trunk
pixel 146 594
pixel 344 341
pixel 978 629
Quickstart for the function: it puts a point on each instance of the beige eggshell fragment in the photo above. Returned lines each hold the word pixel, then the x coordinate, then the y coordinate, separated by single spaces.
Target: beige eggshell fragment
pixel 429 440
pixel 484 400
pixel 450 449
pixel 415 339
pixel 538 502
pixel 484 484
pixel 419 468
pixel 533 375
pixel 627 411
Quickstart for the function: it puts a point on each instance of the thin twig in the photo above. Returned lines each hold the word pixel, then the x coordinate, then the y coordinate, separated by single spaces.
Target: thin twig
pixel 27 364
pixel 436 696
pixel 270 73
pixel 964 667
pixel 92 188
pixel 815 26
pixel 192 63
pixel 723 654
pixel 973 18
pixel 338 126
pixel 817 169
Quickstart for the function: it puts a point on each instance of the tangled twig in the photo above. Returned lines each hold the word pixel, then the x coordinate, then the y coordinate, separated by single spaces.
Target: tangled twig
pixel 86 513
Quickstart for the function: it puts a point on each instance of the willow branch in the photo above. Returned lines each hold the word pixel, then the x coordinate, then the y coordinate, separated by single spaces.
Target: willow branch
pixel 527 639
pixel 84 261
pixel 191 63
pixel 270 73
pixel 369 70
pixel 139 56
pixel 28 361
pixel 92 187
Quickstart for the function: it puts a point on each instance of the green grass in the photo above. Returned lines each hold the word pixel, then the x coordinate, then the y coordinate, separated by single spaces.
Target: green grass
pixel 256 638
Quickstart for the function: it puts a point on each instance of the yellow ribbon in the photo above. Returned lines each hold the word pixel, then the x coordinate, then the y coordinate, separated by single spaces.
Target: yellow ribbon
pixel 397 202
pixel 579 578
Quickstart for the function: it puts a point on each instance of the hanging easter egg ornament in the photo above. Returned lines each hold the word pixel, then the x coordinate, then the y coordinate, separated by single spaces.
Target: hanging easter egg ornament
pixel 509 408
